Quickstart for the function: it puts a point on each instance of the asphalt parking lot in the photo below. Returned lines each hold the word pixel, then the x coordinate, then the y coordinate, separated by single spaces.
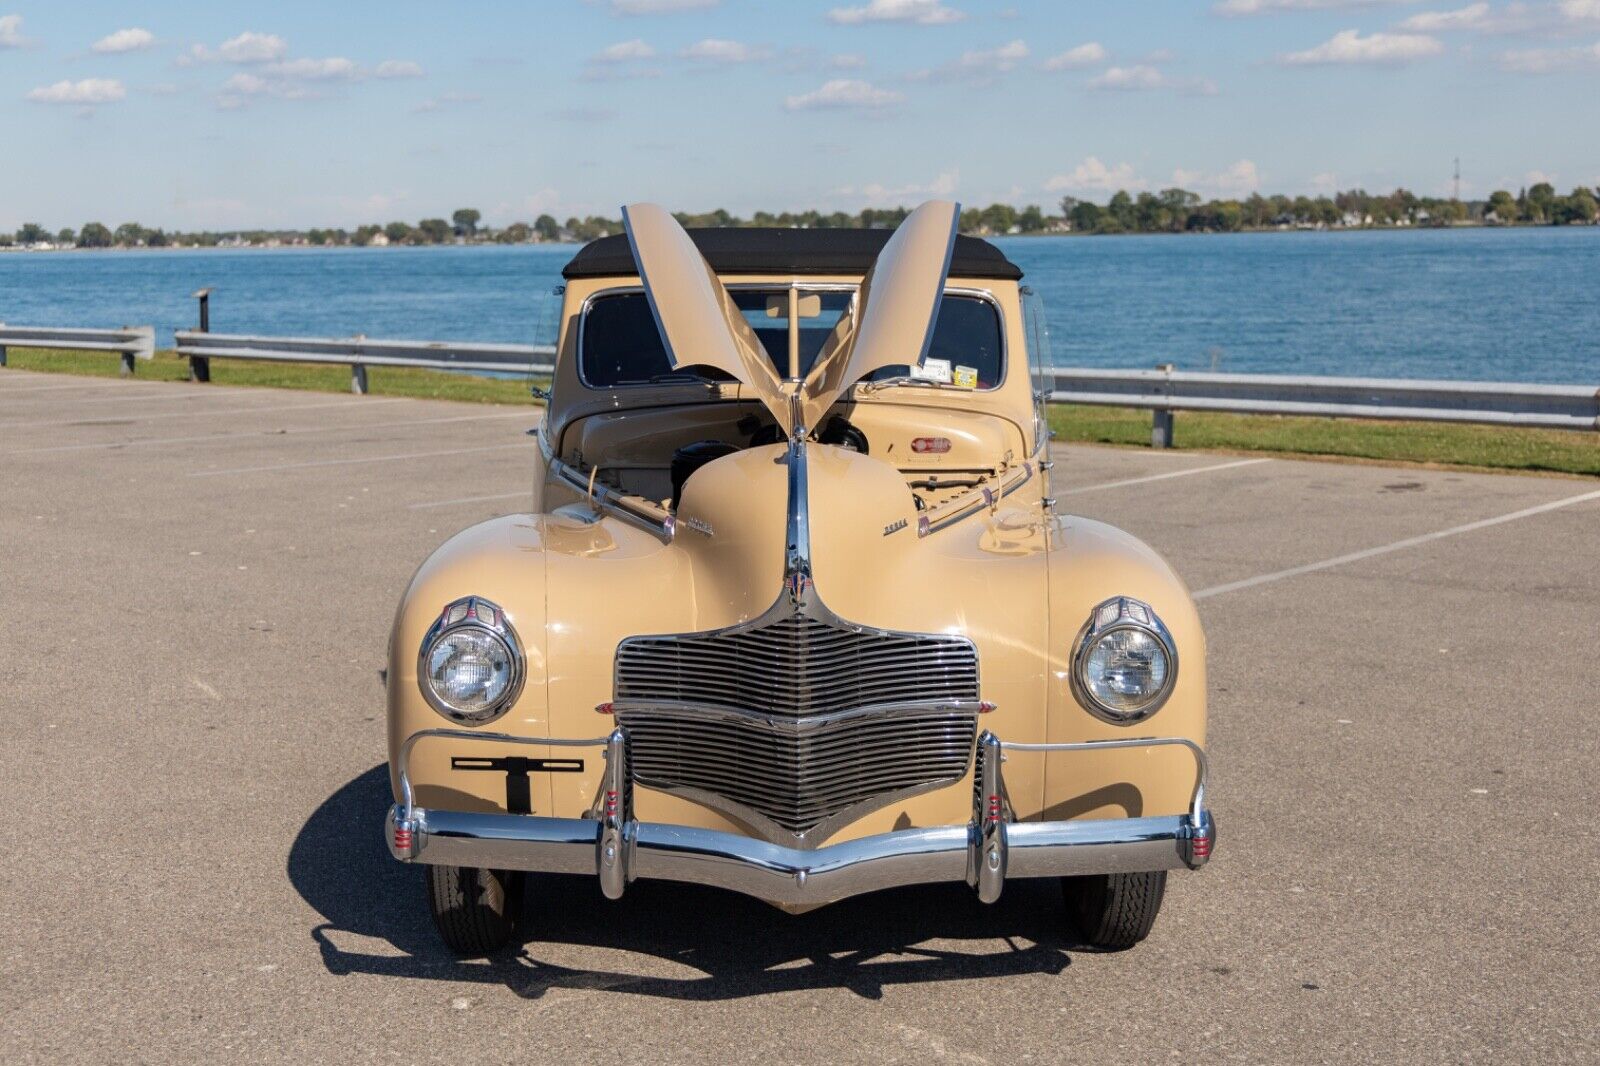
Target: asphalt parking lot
pixel 197 584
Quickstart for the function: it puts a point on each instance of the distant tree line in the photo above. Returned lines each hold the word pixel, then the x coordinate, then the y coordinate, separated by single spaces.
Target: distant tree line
pixel 1167 211
pixel 1178 211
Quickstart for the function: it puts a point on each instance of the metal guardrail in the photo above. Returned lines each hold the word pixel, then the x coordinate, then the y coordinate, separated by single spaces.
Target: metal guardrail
pixel 131 342
pixel 359 353
pixel 1164 391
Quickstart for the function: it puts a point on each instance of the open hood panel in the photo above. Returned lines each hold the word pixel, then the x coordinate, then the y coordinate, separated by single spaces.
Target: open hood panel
pixel 699 323
pixel 890 323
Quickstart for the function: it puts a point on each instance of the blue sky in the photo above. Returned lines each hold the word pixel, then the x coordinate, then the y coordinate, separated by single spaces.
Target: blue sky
pixel 224 115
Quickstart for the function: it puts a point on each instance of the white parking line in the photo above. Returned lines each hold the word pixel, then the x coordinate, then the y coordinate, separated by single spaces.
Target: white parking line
pixel 1399 545
pixel 354 462
pixel 471 499
pixel 158 395
pixel 1160 477
pixel 366 401
pixel 88 383
pixel 265 433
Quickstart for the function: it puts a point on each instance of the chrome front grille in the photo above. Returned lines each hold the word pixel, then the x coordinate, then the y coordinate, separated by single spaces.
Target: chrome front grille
pixel 797 723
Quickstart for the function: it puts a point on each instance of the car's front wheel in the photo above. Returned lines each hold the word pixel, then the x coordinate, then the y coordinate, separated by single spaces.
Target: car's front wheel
pixel 1113 912
pixel 475 910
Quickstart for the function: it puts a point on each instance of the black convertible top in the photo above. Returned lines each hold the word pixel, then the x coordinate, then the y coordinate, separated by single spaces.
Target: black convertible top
pixel 769 250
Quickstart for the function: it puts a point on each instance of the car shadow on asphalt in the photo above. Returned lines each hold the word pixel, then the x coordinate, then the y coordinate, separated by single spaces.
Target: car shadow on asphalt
pixel 689 942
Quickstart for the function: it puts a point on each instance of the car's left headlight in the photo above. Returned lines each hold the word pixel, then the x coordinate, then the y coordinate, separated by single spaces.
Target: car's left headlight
pixel 1124 665
pixel 470 666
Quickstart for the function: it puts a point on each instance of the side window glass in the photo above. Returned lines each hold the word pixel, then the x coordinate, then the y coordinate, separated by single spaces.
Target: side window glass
pixel 546 331
pixel 1041 363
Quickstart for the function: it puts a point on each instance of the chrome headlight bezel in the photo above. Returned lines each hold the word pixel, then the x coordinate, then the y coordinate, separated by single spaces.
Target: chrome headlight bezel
pixel 1109 616
pixel 473 612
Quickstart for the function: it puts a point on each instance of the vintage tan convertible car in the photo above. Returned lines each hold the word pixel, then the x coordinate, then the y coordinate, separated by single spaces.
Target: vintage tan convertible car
pixel 791 610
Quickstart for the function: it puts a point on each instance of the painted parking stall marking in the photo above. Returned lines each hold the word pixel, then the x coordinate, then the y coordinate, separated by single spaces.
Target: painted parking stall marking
pixel 356 462
pixel 1399 545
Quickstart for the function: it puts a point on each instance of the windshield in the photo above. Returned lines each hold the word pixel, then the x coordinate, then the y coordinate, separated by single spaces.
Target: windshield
pixel 620 344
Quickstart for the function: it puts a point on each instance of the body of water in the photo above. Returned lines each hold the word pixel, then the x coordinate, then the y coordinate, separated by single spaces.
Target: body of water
pixel 1509 305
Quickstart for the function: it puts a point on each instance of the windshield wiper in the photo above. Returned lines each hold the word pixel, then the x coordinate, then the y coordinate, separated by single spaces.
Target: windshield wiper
pixel 907 379
pixel 673 377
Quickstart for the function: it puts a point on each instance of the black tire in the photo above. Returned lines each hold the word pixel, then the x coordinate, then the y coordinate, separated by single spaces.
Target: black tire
pixel 475 910
pixel 1113 912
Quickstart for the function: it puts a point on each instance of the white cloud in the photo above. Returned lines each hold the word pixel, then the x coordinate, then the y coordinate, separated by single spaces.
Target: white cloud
pixel 876 193
pixel 1085 55
pixel 1470 17
pixel 1326 183
pixel 1348 46
pixel 916 12
pixel 658 7
pixel 444 100
pixel 334 68
pixel 129 40
pixel 1093 176
pixel 623 52
pixel 85 93
pixel 1129 78
pixel 251 47
pixel 397 68
pixel 1548 60
pixel 1240 179
pixel 718 50
pixel 980 65
pixel 847 61
pixel 301 78
pixel 1581 10
pixel 1144 78
pixel 1272 7
pixel 11 32
pixel 844 94
pixel 244 84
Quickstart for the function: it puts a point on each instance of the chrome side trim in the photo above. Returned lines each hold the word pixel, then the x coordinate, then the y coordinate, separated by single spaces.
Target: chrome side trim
pixel 797 580
pixel 970 503
pixel 649 518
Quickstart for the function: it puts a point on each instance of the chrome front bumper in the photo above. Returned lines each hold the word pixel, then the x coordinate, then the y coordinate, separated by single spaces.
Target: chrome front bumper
pixel 986 852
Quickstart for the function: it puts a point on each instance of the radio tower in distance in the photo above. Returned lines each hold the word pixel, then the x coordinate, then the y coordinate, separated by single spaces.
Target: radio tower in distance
pixel 1458 180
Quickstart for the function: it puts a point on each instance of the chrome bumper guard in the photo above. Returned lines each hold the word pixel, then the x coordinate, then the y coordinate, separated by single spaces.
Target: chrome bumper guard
pixel 985 853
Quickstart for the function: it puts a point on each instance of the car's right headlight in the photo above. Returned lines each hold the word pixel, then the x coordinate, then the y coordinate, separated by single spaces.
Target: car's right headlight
pixel 470 666
pixel 1125 665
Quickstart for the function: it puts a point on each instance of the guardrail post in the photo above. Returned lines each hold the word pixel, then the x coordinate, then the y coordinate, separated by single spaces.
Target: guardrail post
pixel 1161 428
pixel 358 379
pixel 199 365
pixel 127 363
pixel 1161 417
pixel 2 349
